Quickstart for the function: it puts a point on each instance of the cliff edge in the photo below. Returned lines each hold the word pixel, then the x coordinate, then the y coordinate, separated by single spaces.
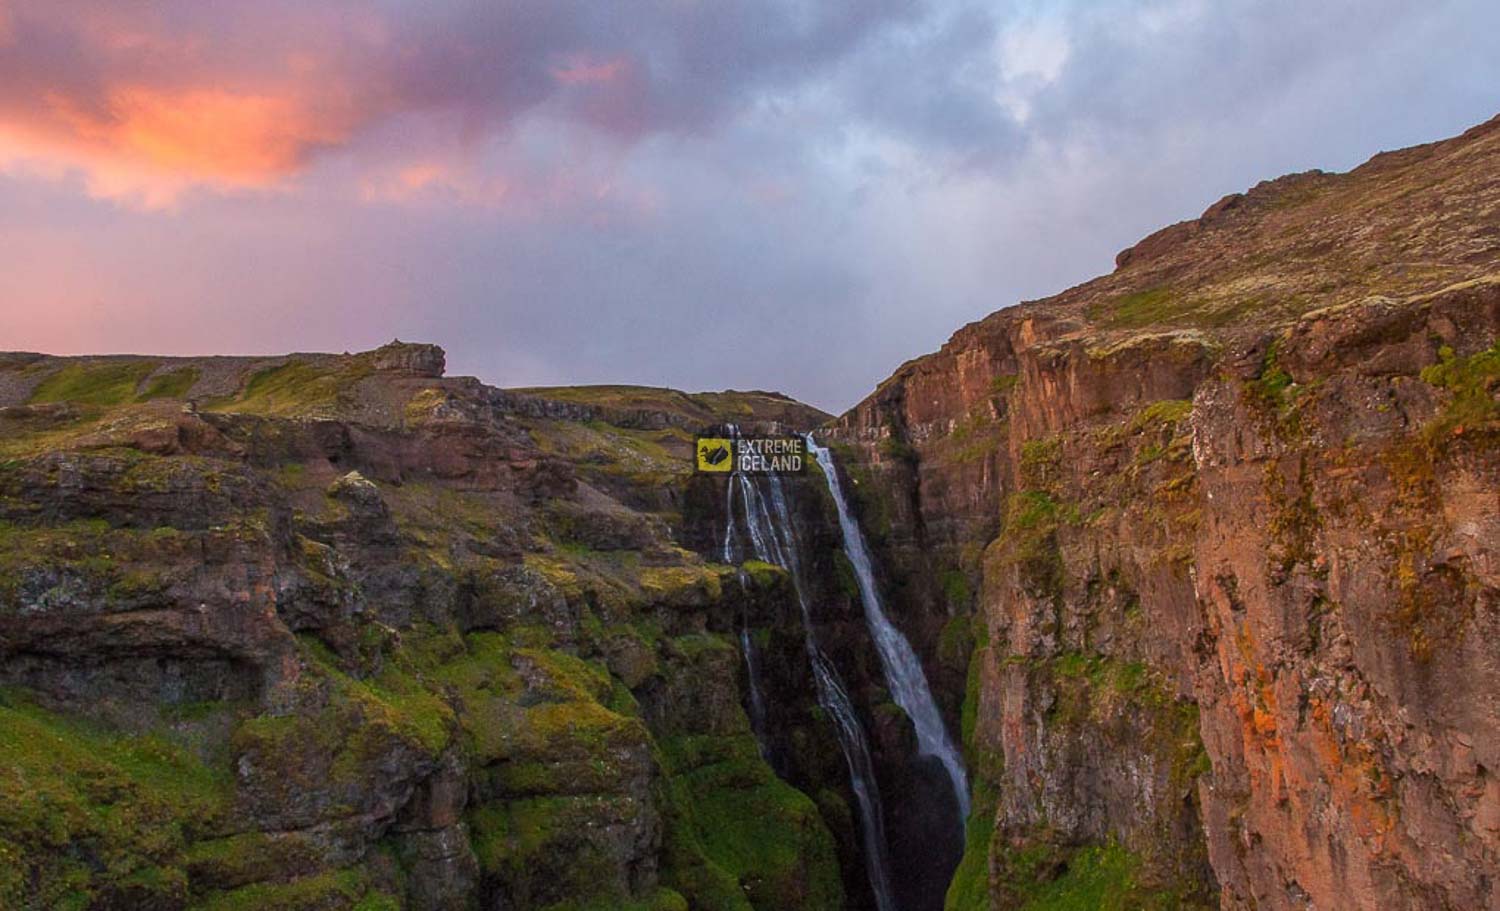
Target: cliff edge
pixel 1207 552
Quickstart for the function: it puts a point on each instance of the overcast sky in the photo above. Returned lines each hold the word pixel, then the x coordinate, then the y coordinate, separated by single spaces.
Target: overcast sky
pixel 705 194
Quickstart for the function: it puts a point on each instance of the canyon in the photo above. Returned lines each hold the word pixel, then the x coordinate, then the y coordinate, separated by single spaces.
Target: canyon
pixel 1179 589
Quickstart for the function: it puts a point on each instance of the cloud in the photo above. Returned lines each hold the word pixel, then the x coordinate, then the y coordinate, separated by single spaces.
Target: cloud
pixel 148 100
pixel 793 194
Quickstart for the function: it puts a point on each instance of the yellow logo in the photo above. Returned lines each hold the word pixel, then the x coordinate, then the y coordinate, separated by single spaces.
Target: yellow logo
pixel 715 454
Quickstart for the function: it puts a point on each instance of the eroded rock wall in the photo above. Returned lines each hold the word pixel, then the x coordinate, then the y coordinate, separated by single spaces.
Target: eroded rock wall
pixel 341 633
pixel 1235 608
pixel 1214 537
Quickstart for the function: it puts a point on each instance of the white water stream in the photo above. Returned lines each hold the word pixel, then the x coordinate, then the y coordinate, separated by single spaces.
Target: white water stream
pixel 903 671
pixel 773 540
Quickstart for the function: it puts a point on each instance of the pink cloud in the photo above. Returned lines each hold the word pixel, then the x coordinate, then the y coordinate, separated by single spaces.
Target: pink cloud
pixel 584 70
pixel 147 100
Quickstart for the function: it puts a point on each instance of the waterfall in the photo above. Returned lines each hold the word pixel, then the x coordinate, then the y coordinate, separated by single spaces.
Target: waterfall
pixel 773 540
pixel 747 645
pixel 903 672
pixel 757 698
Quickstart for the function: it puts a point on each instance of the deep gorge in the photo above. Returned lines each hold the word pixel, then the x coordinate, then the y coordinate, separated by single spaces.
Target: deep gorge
pixel 1183 583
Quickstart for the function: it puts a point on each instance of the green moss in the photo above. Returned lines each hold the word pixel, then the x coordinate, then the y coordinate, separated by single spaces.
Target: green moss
pixel 332 891
pixel 1471 409
pixel 223 863
pixel 1041 876
pixel 1165 411
pixel 1032 510
pixel 956 589
pixel 843 574
pixel 681 584
pixel 86 559
pixel 895 447
pixel 1294 523
pixel 1029 539
pixel 291 388
pixel 1004 383
pixel 969 714
pixel 89 817
pixel 174 384
pixel 1096 879
pixel 1142 308
pixel 956 642
pixel 395 698
pixel 1163 306
pixel 741 832
pixel 93 384
pixel 1041 462
pixel 359 725
pixel 660 900
pixel 553 846
pixel 764 575
pixel 1276 392
pixel 970 887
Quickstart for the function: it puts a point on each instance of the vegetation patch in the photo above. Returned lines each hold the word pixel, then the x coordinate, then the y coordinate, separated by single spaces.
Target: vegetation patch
pixel 1029 538
pixel 341 890
pixel 1295 523
pixel 1277 393
pixel 1042 877
pixel 767 836
pixel 92 818
pixel 895 447
pixel 1162 306
pixel 292 388
pixel 956 642
pixel 174 384
pixel 1141 308
pixel 970 887
pixel 93 383
pixel 1473 384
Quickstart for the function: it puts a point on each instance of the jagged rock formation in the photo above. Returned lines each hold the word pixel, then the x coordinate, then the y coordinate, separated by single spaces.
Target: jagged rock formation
pixel 332 631
pixel 1215 540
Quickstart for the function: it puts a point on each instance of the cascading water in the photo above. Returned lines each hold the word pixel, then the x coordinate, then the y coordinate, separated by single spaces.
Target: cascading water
pixel 747 644
pixel 773 539
pixel 757 698
pixel 903 671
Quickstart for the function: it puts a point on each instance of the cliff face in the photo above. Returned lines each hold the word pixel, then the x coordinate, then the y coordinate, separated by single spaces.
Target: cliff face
pixel 1203 558
pixel 335 631
pixel 1220 532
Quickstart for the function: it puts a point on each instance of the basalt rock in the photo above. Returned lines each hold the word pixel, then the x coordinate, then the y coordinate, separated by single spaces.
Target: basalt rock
pixel 333 631
pixel 1216 538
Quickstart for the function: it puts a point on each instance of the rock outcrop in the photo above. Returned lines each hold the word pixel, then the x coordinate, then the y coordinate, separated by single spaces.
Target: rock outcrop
pixel 1208 549
pixel 333 631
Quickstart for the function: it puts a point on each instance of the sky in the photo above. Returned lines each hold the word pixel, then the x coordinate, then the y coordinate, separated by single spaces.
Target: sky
pixel 704 194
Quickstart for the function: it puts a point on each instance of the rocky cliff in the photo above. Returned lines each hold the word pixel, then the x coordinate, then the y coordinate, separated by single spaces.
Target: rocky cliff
pixel 1203 558
pixel 334 631
pixel 1206 553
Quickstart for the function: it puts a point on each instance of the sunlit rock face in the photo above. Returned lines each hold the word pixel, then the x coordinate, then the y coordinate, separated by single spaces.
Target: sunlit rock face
pixel 1203 553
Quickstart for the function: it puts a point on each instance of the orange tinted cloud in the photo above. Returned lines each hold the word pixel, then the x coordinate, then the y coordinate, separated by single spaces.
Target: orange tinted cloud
pixel 211 133
pixel 148 145
pixel 145 105
pixel 144 100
